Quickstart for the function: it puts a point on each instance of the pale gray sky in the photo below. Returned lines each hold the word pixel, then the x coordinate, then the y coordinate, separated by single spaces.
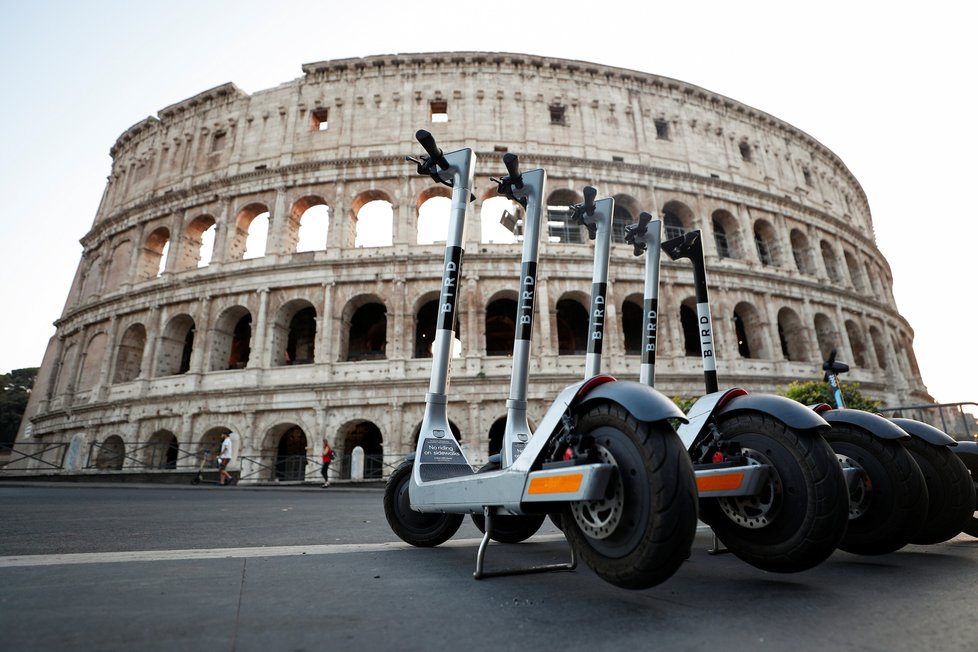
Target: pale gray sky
pixel 888 87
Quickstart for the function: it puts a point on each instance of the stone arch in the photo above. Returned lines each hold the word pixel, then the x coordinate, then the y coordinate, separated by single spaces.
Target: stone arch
pixel 572 324
pixel 92 279
pixel 496 433
pixel 831 262
pixel 231 339
pixel 152 257
pixel 365 318
pixel 749 327
pixel 879 347
pixel 855 272
pixel 791 333
pixel 66 371
pixel 308 225
pixel 129 354
pixel 726 234
pixel 561 227
pixel 294 334
pixel 500 325
pixel 677 219
pixel 249 238
pixel 176 345
pixel 623 216
pixel 426 323
pixel 434 208
pixel 690 324
pixel 91 363
pixel 111 454
pixel 801 251
pixel 210 443
pixel 118 272
pixel 162 450
pixel 632 319
pixel 197 243
pixel 826 335
pixel 290 445
pixel 373 215
pixel 858 344
pixel 765 240
pixel 366 435
pixel 502 220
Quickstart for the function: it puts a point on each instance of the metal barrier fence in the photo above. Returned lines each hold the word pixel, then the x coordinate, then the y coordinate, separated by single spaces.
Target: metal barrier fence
pixel 949 417
pixel 46 456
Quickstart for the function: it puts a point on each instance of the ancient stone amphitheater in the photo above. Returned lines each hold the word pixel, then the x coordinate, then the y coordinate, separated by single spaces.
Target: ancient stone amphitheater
pixel 269 263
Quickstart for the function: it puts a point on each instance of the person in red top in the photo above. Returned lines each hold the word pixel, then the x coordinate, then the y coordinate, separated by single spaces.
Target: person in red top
pixel 327 458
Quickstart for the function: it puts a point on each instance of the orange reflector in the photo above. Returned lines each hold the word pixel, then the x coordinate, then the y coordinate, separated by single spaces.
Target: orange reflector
pixel 558 484
pixel 723 482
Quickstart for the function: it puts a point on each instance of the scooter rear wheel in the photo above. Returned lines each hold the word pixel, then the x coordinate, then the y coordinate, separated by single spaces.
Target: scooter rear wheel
pixel 799 518
pixel 508 528
pixel 420 529
pixel 890 504
pixel 950 489
pixel 640 533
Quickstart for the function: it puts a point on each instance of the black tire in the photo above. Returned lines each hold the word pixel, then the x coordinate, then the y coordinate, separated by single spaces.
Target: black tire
pixel 950 489
pixel 196 480
pixel 420 529
pixel 800 517
pixel 642 531
pixel 508 528
pixel 971 525
pixel 890 504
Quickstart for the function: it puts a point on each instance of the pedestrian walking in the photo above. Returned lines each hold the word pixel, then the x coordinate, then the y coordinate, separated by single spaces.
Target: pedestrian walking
pixel 224 458
pixel 327 458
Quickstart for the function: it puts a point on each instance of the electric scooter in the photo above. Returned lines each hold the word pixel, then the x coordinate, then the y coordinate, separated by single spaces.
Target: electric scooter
pixel 603 455
pixel 950 489
pixel 769 484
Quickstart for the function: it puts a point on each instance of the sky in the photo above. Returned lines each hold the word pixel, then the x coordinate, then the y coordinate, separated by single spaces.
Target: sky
pixel 888 87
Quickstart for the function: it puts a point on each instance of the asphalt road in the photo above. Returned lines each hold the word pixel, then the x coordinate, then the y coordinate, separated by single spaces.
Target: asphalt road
pixel 169 568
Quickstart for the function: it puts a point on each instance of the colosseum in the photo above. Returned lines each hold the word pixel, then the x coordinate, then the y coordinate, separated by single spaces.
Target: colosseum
pixel 269 264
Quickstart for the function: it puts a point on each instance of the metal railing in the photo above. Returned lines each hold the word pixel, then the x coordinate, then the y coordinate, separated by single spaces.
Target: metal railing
pixel 36 451
pixel 949 417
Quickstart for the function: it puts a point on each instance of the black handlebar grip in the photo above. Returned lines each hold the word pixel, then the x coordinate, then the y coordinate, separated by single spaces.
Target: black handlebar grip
pixel 590 192
pixel 512 163
pixel 643 222
pixel 428 142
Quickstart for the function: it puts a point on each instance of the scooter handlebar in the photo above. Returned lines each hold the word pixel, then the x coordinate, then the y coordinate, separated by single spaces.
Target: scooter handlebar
pixel 427 141
pixel 512 163
pixel 590 192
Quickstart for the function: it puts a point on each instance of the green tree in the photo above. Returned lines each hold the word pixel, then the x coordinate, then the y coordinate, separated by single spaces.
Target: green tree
pixel 813 391
pixel 15 390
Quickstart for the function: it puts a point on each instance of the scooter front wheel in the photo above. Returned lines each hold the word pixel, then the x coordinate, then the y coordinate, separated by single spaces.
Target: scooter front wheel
pixel 508 528
pixel 420 529
pixel 640 533
pixel 889 505
pixel 800 516
pixel 951 492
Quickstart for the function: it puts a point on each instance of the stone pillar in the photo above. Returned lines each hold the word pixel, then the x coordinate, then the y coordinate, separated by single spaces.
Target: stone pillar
pixel 258 356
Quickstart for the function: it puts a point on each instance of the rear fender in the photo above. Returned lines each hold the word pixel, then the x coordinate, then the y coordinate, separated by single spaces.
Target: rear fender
pixel 791 413
pixel 874 424
pixel 926 432
pixel 643 402
pixel 968 452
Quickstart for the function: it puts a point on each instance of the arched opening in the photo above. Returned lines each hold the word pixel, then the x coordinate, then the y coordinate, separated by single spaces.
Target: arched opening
pixel 301 345
pixel 176 346
pixel 826 335
pixel 572 327
pixel 831 262
pixel 91 364
pixel 290 460
pixel 368 333
pixel 309 226
pixel 677 218
pixel 750 331
pixel 622 218
pixel 231 339
pixel 210 443
pixel 156 248
pixel 691 328
pixel 802 253
pixel 878 347
pixel 197 247
pixel 500 327
pixel 250 232
pixel 162 450
pixel 118 266
pixel 111 454
pixel 375 224
pixel 561 225
pixel 858 344
pixel 367 436
pixel 502 220
pixel 496 432
pixel 765 241
pixel 725 234
pixel 855 273
pixel 257 241
pixel 632 318
pixel 433 215
pixel 791 333
pixel 425 325
pixel 129 355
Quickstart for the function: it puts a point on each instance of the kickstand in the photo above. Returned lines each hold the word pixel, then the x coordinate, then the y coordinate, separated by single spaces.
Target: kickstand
pixel 481 573
pixel 717 548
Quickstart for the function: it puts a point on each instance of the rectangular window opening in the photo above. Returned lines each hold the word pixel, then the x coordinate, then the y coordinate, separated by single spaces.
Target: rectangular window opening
pixel 218 141
pixel 320 119
pixel 439 111
pixel 662 130
pixel 558 115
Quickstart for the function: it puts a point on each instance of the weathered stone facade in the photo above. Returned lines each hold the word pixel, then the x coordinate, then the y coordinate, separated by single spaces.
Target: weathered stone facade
pixel 288 347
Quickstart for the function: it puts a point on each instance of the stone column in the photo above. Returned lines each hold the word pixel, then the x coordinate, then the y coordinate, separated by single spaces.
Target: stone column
pixel 258 357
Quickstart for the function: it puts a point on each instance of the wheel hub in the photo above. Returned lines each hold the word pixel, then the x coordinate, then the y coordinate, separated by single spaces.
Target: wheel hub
pixel 757 511
pixel 861 495
pixel 599 518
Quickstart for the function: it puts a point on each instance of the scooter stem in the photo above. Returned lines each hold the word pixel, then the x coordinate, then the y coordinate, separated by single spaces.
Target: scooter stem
pixel 597 216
